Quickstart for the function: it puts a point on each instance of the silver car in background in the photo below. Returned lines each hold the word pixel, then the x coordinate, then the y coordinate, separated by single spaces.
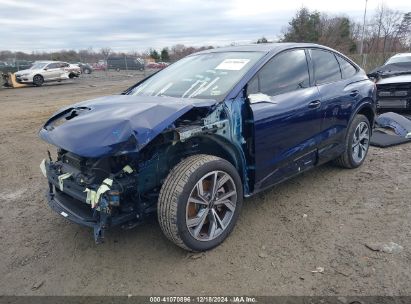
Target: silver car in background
pixel 47 71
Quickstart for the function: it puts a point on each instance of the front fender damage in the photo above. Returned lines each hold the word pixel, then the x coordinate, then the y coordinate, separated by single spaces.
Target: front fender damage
pixel 107 171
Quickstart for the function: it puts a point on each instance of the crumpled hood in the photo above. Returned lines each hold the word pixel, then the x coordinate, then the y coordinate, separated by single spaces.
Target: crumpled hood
pixel 113 124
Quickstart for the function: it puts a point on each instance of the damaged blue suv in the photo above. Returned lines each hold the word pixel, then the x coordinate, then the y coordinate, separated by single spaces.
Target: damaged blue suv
pixel 192 140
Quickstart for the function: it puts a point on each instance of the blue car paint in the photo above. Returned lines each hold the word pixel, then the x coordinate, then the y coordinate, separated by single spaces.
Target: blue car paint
pixel 284 128
pixel 120 123
pixel 286 136
pixel 341 100
pixel 317 135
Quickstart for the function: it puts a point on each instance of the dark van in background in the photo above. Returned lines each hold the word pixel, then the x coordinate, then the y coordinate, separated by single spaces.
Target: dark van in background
pixel 125 63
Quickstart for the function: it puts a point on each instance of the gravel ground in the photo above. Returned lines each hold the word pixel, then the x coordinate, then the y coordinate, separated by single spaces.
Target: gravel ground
pixel 322 218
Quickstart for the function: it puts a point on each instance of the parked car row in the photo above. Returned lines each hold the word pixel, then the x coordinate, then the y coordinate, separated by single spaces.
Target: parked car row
pixel 128 63
pixel 42 71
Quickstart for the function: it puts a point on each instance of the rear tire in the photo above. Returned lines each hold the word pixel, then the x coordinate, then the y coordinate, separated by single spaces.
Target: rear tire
pixel 38 80
pixel 357 143
pixel 199 202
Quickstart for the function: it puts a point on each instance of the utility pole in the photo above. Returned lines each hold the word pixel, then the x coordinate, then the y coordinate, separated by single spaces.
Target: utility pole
pixel 362 36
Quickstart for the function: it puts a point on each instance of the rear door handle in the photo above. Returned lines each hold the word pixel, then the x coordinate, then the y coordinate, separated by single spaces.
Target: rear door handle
pixel 314 104
pixel 354 93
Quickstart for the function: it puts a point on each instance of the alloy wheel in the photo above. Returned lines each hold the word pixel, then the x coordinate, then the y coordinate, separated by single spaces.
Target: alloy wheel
pixel 360 142
pixel 211 205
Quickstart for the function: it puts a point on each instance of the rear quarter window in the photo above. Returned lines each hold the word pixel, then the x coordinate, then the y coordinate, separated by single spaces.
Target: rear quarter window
pixel 347 69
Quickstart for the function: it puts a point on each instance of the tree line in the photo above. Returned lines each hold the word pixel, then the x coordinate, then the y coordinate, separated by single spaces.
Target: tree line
pixel 386 31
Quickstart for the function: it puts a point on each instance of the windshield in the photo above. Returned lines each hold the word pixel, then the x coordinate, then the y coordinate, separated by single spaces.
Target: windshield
pixel 399 59
pixel 38 65
pixel 209 75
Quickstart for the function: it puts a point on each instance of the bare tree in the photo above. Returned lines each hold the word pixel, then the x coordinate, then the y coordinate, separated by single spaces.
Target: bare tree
pixel 404 30
pixel 337 32
pixel 106 52
pixel 384 30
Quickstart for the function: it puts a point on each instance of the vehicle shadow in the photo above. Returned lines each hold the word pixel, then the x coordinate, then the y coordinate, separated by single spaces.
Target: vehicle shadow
pixel 150 236
pixel 45 85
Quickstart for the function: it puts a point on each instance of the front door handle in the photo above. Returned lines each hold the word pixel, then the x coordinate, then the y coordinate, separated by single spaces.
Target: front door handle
pixel 314 104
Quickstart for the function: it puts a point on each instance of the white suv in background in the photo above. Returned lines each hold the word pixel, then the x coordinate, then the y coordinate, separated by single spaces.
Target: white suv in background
pixel 46 71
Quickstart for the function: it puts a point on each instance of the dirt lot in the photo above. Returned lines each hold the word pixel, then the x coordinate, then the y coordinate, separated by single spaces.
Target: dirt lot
pixel 273 249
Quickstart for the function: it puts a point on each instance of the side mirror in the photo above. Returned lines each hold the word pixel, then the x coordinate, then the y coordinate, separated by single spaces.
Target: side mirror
pixel 45 69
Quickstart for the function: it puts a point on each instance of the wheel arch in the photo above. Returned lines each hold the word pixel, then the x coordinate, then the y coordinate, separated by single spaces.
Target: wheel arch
pixel 368 112
pixel 219 146
pixel 366 108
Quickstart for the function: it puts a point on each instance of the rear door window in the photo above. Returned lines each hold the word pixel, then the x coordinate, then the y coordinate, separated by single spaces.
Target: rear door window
pixel 326 67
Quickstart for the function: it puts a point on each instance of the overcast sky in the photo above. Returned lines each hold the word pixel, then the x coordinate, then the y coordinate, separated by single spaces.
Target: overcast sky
pixel 44 25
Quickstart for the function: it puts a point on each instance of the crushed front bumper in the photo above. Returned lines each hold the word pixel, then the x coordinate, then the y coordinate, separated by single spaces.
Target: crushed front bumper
pixel 71 208
pixel 92 204
pixel 82 214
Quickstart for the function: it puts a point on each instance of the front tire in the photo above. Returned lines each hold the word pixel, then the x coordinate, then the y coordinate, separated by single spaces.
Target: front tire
pixel 38 80
pixel 199 202
pixel 357 143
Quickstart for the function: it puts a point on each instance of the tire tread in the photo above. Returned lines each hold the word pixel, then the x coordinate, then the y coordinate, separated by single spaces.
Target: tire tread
pixel 171 190
pixel 343 160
